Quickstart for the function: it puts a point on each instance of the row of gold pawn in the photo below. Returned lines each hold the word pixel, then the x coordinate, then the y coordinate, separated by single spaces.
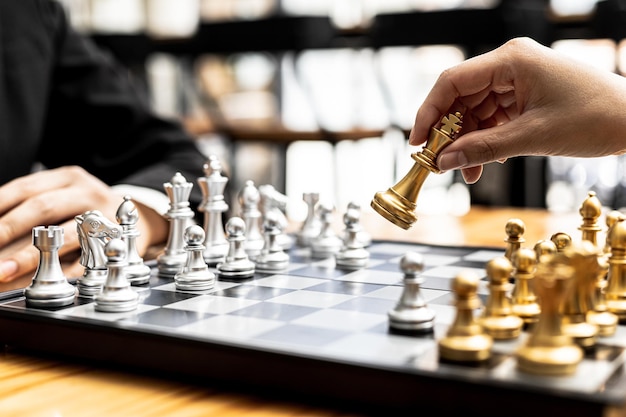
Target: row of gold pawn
pixel 565 294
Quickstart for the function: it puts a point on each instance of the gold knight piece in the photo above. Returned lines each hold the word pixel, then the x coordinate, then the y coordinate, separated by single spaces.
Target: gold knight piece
pixel 398 203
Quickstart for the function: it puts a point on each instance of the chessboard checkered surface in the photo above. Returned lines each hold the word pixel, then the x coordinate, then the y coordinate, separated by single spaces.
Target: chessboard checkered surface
pixel 313 311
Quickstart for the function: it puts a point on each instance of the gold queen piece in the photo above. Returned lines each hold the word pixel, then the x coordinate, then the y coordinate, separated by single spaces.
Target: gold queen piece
pixel 398 203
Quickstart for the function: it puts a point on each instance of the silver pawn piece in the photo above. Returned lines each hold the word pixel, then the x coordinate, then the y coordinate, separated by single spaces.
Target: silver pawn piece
pixel 327 243
pixel 117 296
pixel 276 202
pixel 411 314
pixel 311 226
pixel 237 263
pixel 49 287
pixel 137 271
pixel 362 235
pixel 249 198
pixel 272 258
pixel 195 275
pixel 213 205
pixel 173 258
pixel 353 254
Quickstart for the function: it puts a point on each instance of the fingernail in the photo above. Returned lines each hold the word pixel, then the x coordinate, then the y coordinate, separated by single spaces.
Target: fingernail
pixel 451 160
pixel 7 269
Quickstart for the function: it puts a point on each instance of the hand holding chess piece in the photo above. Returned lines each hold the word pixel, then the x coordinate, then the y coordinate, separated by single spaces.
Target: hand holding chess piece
pixel 398 203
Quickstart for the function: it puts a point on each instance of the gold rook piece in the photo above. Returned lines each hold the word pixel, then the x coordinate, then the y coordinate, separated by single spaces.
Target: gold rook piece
pixel 398 203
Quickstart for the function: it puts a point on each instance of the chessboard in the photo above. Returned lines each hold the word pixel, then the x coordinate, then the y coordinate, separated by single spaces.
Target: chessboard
pixel 320 333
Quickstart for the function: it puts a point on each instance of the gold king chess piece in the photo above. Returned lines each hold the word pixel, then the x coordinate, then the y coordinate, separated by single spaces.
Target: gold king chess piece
pixel 398 203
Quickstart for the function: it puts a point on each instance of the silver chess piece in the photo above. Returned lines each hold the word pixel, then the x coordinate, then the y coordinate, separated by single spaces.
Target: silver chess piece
pixel 237 263
pixel 272 201
pixel 94 232
pixel 362 235
pixel 249 200
pixel 311 226
pixel 195 275
pixel 353 254
pixel 49 287
pixel 213 205
pixel 117 296
pixel 127 215
pixel 327 243
pixel 411 314
pixel 272 258
pixel 179 215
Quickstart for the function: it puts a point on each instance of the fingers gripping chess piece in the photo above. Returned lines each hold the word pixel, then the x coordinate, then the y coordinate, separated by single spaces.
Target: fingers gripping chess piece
pixel 127 215
pixel 117 295
pixel 94 232
pixel 179 215
pixel 237 263
pixel 398 203
pixel 249 199
pixel 466 340
pixel 213 205
pixel 548 350
pixel 352 254
pixel 498 318
pixel 411 314
pixel 195 275
pixel 49 287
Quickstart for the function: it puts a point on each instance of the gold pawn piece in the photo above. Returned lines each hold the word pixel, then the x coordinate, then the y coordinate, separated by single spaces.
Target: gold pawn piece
pixel 562 240
pixel 544 247
pixel 612 217
pixel 498 319
pixel 590 210
pixel 616 288
pixel 600 315
pixel 524 301
pixel 583 257
pixel 466 340
pixel 514 230
pixel 399 202
pixel 548 350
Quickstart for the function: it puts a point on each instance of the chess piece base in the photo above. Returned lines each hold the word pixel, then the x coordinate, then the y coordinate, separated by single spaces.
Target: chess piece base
pixel 476 348
pixel 395 208
pixel 604 320
pixel 549 360
pixel 412 319
pixel 504 327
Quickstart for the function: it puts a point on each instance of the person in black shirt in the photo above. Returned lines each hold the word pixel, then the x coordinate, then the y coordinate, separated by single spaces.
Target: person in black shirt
pixel 68 107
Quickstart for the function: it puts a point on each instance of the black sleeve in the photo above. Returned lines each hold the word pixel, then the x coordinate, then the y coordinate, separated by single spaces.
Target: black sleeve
pixel 100 119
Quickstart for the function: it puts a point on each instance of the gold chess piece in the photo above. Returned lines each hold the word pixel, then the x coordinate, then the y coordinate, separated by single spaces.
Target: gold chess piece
pixel 616 288
pixel 561 240
pixel 514 230
pixel 466 340
pixel 498 319
pixel 599 314
pixel 524 301
pixel 548 350
pixel 583 257
pixel 590 211
pixel 398 203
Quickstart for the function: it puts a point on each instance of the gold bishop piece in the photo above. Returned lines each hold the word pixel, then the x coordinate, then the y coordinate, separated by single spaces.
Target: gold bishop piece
pixel 398 203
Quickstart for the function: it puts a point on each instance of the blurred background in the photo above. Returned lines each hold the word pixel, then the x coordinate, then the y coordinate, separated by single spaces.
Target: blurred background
pixel 319 96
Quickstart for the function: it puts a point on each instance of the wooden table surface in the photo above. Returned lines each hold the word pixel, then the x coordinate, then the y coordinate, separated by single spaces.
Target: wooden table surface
pixel 33 386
